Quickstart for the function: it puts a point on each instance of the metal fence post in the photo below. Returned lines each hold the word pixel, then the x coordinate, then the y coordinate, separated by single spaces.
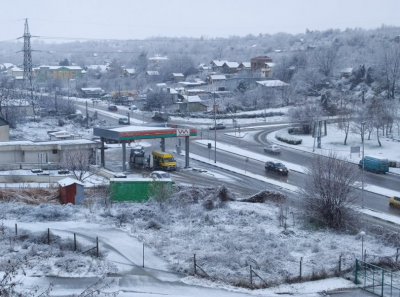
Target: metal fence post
pixel 97 246
pixel 74 242
pixel 301 260
pixel 356 273
pixel 397 254
pixel 340 264
pixel 194 263
pixel 383 278
pixel 16 229
pixel 251 276
pixel 48 235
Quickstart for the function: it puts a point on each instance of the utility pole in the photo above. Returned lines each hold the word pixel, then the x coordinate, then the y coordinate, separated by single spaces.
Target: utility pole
pixel 28 74
pixel 215 130
pixel 87 117
pixel 362 183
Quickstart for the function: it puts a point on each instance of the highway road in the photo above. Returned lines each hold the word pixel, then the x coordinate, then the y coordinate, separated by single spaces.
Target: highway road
pixel 244 185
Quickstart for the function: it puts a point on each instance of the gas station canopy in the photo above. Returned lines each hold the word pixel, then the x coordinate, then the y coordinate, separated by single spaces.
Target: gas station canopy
pixel 142 132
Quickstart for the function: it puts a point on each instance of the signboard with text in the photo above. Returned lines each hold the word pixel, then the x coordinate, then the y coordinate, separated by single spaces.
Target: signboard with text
pixel 182 132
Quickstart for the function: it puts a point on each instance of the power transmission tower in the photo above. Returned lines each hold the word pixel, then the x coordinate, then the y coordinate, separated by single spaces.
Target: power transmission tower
pixel 28 74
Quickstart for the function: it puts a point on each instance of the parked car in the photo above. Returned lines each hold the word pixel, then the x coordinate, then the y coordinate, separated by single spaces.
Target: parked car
pixel 276 167
pixel 218 126
pixel 123 121
pixel 160 175
pixel 394 202
pixel 132 107
pixel 272 149
pixel 113 108
pixel 63 171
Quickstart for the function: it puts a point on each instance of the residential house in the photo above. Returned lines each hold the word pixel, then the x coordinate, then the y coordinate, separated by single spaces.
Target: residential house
pixel 4 130
pixel 244 66
pixel 217 78
pixel 259 62
pixel 6 66
pixel 128 72
pixel 267 70
pixel 91 92
pixel 157 59
pixel 216 65
pixel 177 77
pixel 42 73
pixel 247 83
pixel 172 94
pixel 191 84
pixel 61 135
pixel 204 67
pixel 15 72
pixel 152 73
pixel 230 67
pixel 346 72
pixel 273 83
pixel 192 104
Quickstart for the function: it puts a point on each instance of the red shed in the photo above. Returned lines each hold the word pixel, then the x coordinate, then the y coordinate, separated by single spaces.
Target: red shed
pixel 71 191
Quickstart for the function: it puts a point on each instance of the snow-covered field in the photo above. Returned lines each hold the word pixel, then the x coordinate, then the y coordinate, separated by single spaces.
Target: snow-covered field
pixel 226 236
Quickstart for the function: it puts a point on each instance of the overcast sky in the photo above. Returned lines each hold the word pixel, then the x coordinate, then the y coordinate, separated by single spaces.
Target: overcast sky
pixel 138 19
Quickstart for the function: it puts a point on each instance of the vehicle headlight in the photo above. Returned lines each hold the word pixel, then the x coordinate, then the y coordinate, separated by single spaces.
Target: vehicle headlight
pixel 280 169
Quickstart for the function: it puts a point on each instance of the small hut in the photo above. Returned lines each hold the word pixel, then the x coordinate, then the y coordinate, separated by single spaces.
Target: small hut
pixel 71 191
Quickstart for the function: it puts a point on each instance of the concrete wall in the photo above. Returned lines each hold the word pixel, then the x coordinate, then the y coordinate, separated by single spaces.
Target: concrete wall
pixel 4 133
pixel 30 178
pixel 8 157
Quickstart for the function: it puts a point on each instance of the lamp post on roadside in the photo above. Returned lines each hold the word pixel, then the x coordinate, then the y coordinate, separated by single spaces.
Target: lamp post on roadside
pixel 362 234
pixel 362 181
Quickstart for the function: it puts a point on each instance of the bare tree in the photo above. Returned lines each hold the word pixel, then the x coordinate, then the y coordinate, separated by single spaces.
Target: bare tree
pixel 390 63
pixel 329 190
pixel 344 122
pixel 78 162
pixel 325 59
pixel 305 115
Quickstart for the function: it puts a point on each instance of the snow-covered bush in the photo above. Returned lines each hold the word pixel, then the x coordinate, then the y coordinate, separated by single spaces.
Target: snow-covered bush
pixel 283 135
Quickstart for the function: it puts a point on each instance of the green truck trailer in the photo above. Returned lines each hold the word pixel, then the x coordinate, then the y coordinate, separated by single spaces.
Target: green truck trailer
pixel 138 189
pixel 374 164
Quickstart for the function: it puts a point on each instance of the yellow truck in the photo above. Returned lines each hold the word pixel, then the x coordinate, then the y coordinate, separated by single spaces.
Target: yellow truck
pixel 164 161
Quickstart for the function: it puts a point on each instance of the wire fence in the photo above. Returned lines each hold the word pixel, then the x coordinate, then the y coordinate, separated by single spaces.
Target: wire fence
pixel 377 280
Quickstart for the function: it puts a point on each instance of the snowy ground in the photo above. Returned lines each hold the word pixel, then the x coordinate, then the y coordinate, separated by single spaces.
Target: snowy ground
pixel 226 238
pixel 334 141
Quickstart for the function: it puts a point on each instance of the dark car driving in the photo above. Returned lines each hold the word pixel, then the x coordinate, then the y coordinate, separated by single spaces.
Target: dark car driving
pixel 276 167
pixel 113 108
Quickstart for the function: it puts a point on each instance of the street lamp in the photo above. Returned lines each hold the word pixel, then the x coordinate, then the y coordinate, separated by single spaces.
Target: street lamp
pixel 362 234
pixel 362 181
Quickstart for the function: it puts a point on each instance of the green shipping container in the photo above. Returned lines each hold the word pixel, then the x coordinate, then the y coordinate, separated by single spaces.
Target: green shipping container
pixel 136 189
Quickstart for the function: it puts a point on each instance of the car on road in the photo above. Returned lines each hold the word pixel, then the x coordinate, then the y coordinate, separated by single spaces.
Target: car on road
pixel 272 149
pixel 113 108
pixel 394 202
pixel 276 166
pixel 132 107
pixel 63 171
pixel 218 126
pixel 123 121
pixel 160 175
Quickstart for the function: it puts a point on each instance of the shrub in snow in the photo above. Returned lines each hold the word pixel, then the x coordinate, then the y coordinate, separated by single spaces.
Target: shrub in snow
pixel 71 264
pixel 208 204
pixel 153 225
pixel 283 135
